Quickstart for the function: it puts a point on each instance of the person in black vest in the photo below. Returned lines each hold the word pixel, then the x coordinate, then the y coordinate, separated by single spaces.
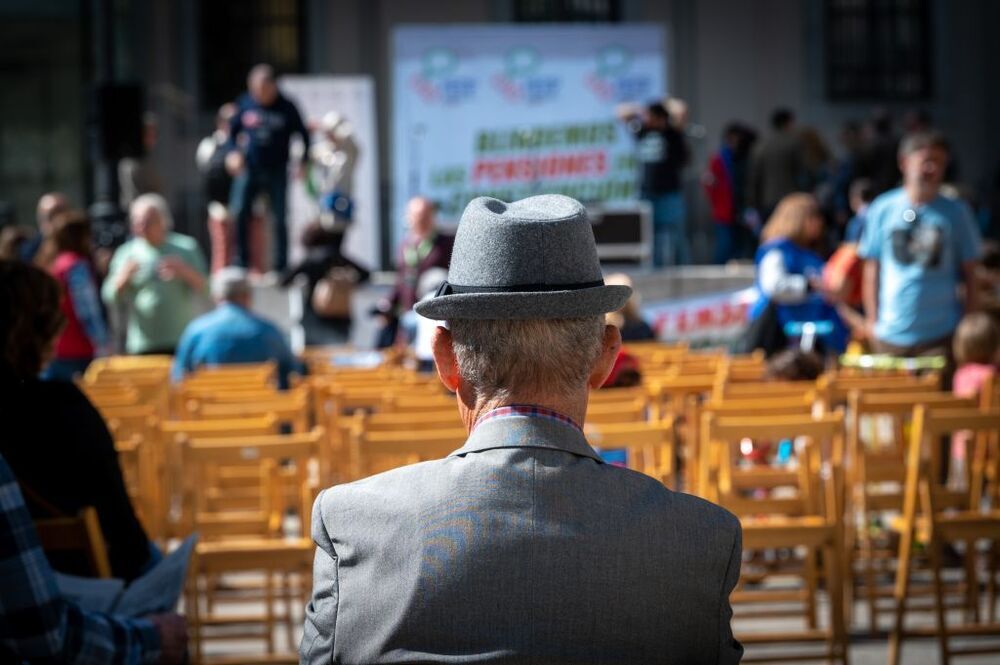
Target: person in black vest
pixel 259 136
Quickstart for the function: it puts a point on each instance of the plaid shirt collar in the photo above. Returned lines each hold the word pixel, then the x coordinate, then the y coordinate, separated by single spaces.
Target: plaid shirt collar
pixel 527 410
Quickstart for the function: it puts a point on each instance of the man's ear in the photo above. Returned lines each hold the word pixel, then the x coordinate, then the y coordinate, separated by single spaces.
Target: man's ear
pixel 444 359
pixel 610 346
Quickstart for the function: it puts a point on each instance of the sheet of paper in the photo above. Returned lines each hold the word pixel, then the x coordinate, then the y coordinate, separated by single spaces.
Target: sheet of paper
pixel 159 590
pixel 96 595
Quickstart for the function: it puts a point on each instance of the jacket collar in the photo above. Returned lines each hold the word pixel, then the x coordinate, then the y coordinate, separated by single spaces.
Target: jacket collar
pixel 527 432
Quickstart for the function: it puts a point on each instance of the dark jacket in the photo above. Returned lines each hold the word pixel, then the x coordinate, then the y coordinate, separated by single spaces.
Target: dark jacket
pixel 61 451
pixel 264 132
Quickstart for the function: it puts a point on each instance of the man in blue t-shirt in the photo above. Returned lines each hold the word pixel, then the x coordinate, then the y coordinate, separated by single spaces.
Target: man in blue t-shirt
pixel 259 135
pixel 917 246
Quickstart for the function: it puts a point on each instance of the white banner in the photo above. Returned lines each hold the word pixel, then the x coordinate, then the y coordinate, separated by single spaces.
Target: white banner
pixel 352 97
pixel 708 320
pixel 512 111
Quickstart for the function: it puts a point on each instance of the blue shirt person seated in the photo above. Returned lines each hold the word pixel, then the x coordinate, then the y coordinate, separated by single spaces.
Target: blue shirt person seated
pixel 232 333
pixel 789 271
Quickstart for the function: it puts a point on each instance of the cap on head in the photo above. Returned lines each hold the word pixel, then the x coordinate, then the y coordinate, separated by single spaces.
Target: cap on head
pixel 531 259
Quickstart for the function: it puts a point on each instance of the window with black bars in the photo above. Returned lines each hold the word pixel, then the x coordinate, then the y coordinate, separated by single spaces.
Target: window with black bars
pixel 567 11
pixel 238 34
pixel 878 50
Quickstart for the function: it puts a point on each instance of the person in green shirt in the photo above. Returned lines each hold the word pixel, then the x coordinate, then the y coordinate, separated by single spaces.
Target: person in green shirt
pixel 157 275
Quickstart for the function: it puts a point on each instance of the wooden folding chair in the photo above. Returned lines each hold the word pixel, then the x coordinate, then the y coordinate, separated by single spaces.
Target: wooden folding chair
pixel 285 566
pixel 875 476
pixel 239 484
pixel 110 395
pixel 259 374
pixel 290 408
pixel 281 463
pixel 136 456
pixel 78 535
pixel 759 389
pixel 787 508
pixel 609 412
pixel 833 390
pixel 678 398
pixel 702 470
pixel 374 452
pixel 932 513
pixel 617 395
pixel 240 541
pixel 409 403
pixel 649 446
pixel 151 384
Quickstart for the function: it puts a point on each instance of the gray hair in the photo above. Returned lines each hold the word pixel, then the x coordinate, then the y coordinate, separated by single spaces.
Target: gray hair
pixel 157 203
pixel 504 358
pixel 230 283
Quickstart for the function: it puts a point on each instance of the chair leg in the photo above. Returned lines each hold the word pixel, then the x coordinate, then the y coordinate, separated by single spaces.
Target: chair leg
pixel 269 610
pixel 811 573
pixel 193 612
pixel 902 588
pixel 934 549
pixel 289 618
pixel 835 594
pixel 971 581
pixel 991 582
pixel 868 563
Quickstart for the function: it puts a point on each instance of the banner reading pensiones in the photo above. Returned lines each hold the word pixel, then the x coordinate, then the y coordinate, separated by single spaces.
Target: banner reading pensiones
pixel 512 111
pixel 708 320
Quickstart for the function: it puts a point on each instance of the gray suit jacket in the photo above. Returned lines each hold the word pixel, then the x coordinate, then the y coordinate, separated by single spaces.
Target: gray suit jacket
pixel 520 547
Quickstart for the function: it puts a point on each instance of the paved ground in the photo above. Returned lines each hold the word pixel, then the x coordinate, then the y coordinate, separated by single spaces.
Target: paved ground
pixel 865 650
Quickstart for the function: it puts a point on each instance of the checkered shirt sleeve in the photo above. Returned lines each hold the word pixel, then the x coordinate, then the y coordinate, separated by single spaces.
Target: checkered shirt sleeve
pixel 36 623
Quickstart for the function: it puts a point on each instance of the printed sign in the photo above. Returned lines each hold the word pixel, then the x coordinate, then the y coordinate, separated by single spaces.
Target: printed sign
pixel 709 320
pixel 513 111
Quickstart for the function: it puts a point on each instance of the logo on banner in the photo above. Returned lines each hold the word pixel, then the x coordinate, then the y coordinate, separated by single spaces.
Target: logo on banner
pixel 437 82
pixel 611 81
pixel 519 81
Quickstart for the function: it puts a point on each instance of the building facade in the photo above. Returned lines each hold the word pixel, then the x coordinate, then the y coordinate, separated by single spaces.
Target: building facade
pixel 829 60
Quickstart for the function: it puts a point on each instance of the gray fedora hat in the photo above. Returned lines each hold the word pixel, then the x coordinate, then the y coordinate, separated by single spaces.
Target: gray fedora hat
pixel 530 259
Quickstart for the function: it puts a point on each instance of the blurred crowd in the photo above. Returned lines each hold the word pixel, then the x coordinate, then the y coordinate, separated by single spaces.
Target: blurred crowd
pixel 814 219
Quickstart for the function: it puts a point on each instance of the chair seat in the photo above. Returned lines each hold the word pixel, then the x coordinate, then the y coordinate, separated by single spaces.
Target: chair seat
pixel 770 532
pixel 236 554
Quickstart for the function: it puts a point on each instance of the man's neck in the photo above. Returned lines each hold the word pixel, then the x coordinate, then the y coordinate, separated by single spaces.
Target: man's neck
pixel 573 407
pixel 919 194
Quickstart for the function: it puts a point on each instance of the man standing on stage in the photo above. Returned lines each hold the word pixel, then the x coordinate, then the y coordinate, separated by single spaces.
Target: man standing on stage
pixel 259 136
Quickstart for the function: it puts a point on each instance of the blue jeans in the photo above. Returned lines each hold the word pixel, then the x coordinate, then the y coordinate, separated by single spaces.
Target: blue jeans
pixel 670 245
pixel 246 186
pixel 724 243
pixel 65 369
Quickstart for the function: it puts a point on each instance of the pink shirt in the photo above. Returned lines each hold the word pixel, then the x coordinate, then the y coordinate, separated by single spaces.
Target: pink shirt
pixel 970 378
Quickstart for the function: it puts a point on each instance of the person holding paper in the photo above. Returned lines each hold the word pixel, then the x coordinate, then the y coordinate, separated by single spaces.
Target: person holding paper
pixel 37 624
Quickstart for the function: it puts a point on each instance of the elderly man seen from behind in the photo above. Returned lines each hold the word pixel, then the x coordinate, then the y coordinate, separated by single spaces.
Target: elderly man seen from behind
pixel 232 333
pixel 157 274
pixel 522 546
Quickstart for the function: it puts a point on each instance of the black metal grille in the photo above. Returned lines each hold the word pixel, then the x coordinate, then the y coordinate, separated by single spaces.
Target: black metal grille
pixel 878 50
pixel 237 34
pixel 567 11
